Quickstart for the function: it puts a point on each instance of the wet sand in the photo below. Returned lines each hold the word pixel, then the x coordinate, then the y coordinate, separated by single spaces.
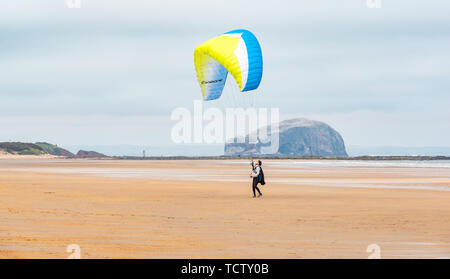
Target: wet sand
pixel 205 209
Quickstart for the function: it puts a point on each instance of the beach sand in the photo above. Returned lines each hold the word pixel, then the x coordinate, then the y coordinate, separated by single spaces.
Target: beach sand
pixel 205 209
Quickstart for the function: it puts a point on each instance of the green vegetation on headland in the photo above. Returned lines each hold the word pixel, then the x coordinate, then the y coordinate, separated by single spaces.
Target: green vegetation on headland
pixel 44 148
pixel 54 149
pixel 21 148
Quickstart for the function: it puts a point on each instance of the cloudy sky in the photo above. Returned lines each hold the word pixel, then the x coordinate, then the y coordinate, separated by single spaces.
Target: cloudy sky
pixel 111 72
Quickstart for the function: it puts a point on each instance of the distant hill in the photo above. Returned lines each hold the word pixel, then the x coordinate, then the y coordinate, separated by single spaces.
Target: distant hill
pixel 43 148
pixel 90 154
pixel 21 148
pixel 297 137
pixel 54 149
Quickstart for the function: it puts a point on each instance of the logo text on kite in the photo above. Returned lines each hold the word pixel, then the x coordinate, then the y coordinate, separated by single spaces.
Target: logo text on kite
pixel 211 81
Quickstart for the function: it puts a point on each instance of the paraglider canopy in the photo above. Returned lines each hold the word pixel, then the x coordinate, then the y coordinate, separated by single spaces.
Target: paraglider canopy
pixel 236 52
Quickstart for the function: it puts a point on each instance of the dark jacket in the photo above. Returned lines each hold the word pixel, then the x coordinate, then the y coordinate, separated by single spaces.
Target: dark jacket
pixel 261 177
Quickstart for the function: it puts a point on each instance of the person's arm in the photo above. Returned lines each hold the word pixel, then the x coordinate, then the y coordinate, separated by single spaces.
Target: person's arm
pixel 256 171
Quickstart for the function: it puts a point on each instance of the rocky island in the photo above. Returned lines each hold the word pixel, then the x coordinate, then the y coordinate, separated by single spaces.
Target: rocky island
pixel 297 137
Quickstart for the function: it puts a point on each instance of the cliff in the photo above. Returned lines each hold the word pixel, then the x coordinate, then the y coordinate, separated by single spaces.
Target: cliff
pixel 297 137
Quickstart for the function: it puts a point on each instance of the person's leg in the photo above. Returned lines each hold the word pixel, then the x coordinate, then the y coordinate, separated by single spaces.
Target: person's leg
pixel 256 186
pixel 255 182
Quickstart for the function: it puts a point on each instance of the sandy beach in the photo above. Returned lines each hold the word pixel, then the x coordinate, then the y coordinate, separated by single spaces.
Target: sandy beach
pixel 205 209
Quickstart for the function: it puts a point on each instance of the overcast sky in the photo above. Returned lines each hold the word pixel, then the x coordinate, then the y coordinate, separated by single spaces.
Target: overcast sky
pixel 111 72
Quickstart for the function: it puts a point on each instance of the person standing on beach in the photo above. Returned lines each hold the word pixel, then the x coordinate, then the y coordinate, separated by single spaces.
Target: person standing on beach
pixel 257 175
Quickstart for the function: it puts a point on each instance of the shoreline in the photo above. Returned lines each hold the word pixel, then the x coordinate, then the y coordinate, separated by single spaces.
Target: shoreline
pixel 416 176
pixel 349 158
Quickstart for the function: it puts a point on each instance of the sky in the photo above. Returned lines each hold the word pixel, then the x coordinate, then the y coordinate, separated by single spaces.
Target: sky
pixel 111 72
